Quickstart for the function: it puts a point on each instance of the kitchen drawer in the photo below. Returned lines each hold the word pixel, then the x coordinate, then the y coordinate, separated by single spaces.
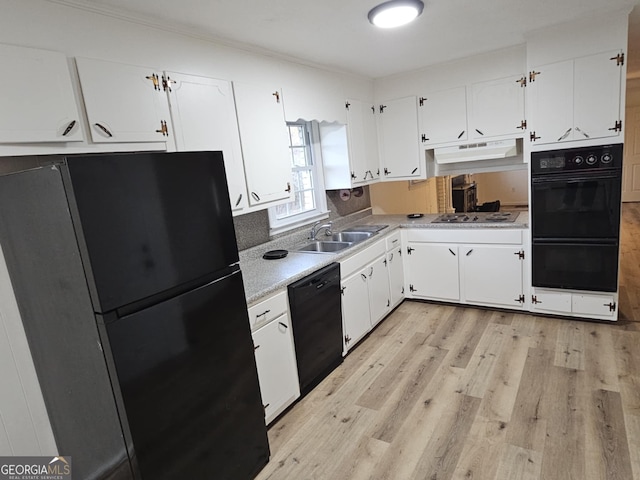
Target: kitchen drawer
pixel 592 304
pixel 267 310
pixel 363 257
pixel 393 241
pixel 465 235
pixel 551 301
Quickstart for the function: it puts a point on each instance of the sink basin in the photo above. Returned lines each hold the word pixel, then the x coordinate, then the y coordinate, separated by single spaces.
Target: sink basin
pixel 351 236
pixel 320 246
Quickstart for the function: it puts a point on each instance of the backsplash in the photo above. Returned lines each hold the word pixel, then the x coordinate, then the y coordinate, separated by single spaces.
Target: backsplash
pixel 253 228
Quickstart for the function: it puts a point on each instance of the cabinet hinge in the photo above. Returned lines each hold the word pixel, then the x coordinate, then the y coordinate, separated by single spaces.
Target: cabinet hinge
pixel 277 95
pixel 353 175
pixel 288 189
pixel 611 305
pixel 532 76
pixel 342 290
pixel 522 81
pixel 382 107
pixel 347 105
pixel 520 299
pixel 523 125
pixel 388 303
pixel 164 130
pixel 402 290
pixel 386 171
pixel 534 300
pixel 619 59
pixel 166 83
pixel 347 339
pixel 422 100
pixel 617 127
pixel 424 138
pixel 155 80
pixel 533 137
pixel 411 289
pixel 409 250
pixel 520 254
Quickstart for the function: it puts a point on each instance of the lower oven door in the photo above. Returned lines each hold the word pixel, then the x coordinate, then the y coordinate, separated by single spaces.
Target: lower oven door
pixel 576 266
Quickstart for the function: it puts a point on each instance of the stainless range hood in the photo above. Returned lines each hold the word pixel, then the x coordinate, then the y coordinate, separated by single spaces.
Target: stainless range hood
pixel 476 151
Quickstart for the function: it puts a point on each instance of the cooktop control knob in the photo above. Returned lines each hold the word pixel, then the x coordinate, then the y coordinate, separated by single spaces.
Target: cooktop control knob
pixel 606 158
pixel 578 160
pixel 591 159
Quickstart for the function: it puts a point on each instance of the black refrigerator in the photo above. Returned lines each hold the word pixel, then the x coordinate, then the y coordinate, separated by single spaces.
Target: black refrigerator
pixel 146 242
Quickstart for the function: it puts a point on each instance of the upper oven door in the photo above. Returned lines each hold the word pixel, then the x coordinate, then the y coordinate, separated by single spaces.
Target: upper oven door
pixel 570 206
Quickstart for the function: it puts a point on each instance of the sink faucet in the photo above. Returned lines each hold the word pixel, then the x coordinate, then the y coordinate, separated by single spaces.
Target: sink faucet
pixel 317 227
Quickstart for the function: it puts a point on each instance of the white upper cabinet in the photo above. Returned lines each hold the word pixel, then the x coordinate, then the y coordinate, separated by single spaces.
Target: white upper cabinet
pixel 265 143
pixel 37 100
pixel 443 116
pixel 363 146
pixel 496 108
pixel 203 115
pixel 576 99
pixel 124 103
pixel 400 155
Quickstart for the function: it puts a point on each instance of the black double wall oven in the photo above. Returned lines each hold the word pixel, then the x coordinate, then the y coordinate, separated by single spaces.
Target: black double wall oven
pixel 576 195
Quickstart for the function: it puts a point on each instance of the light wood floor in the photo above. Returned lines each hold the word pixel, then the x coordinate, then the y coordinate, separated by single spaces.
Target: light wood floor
pixel 439 392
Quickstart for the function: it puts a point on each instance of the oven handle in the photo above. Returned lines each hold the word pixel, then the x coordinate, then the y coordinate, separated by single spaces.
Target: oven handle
pixel 571 178
pixel 575 241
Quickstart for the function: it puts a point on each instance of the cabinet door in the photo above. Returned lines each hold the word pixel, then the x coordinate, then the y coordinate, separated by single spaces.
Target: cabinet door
pixel 265 143
pixel 596 96
pixel 363 152
pixel 124 103
pixel 400 156
pixel 432 271
pixel 203 115
pixel 497 108
pixel 276 362
pixel 443 116
pixel 355 309
pixel 396 276
pixel 492 275
pixel 551 102
pixel 378 282
pixel 592 304
pixel 36 99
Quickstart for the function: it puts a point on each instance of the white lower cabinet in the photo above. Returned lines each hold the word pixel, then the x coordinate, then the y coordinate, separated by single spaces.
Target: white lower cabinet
pixel 275 357
pixel 602 306
pixel 466 266
pixel 366 296
pixel 395 269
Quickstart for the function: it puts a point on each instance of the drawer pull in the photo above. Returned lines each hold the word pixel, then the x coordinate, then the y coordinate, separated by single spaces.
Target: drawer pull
pixel 469 252
pixel 255 347
pixel 284 325
pixel 262 314
pixel 452 252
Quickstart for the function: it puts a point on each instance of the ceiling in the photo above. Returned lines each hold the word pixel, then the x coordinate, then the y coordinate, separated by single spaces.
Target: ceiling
pixel 337 34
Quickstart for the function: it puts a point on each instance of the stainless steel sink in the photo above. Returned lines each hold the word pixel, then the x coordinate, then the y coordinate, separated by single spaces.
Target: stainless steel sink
pixel 320 246
pixel 351 236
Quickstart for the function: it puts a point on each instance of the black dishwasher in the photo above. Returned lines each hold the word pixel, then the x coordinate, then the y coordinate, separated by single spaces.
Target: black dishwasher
pixel 316 317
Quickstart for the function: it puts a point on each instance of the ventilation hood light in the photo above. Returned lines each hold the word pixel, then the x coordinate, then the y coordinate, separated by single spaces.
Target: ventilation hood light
pixel 395 13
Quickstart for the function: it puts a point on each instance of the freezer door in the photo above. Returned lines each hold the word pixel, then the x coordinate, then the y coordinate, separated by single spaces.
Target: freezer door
pixel 188 384
pixel 148 222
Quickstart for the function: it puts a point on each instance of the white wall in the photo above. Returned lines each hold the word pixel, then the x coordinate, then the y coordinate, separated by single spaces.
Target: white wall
pixel 510 187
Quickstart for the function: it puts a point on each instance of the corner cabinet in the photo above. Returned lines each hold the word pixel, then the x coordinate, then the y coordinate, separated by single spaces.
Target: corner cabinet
pixel 37 100
pixel 468 266
pixel 265 143
pixel 124 103
pixel 576 99
pixel 395 268
pixel 203 115
pixel 349 152
pixel 399 143
pixel 275 354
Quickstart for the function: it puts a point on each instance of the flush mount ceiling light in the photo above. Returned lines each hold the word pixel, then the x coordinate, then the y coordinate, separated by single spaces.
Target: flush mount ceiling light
pixel 395 13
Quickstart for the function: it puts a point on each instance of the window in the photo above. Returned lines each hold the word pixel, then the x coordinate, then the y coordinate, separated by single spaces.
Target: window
pixel 309 202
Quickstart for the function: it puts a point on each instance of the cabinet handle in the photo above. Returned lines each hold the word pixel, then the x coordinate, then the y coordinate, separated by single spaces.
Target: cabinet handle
pixel 371 273
pixel 388 303
pixel 566 134
pixel 239 200
pixel 255 196
pixel 391 257
pixel 478 132
pixel 104 129
pixel 364 277
pixel 262 314
pixel 461 133
pixel 266 406
pixel 469 252
pixel 284 325
pixel 255 347
pixel 69 128
pixel 288 189
pixel 453 253
pixel 583 133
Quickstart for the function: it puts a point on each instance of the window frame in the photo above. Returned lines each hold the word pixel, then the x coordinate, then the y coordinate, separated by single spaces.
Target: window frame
pixel 320 211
